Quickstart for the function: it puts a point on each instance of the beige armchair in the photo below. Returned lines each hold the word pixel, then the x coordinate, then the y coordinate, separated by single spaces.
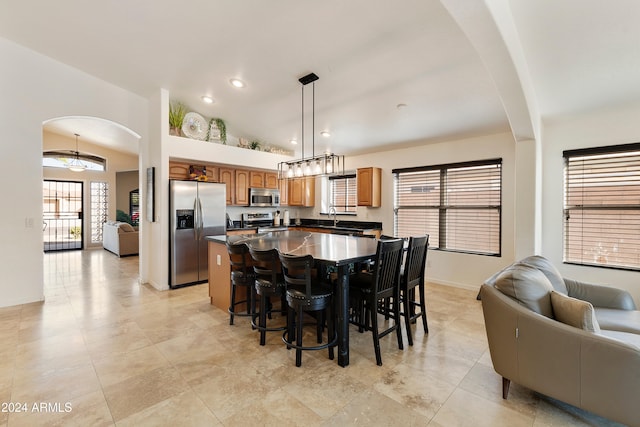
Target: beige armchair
pixel 575 342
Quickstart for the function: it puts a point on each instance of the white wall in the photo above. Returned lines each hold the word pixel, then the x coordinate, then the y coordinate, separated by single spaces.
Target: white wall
pixel 34 89
pixel 598 129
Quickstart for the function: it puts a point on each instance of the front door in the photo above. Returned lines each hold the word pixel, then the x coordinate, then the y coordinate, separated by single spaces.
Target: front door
pixel 62 215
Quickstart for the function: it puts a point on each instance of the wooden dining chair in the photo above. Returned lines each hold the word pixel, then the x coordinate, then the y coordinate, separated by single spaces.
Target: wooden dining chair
pixel 412 281
pixel 369 289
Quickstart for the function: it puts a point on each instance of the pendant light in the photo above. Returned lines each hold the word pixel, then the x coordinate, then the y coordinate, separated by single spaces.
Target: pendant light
pixel 324 164
pixel 76 165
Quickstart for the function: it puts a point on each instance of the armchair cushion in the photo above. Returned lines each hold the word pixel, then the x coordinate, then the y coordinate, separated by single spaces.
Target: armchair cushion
pixel 549 270
pixel 574 312
pixel 527 285
pixel 124 227
pixel 618 320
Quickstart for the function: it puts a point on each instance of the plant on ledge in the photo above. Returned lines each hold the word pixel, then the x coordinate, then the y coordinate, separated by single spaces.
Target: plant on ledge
pixel 177 111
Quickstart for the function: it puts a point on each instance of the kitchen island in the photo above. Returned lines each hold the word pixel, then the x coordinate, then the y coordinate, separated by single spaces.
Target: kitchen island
pixel 328 249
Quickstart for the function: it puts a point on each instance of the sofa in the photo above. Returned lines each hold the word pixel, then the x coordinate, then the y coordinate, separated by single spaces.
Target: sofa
pixel 573 341
pixel 120 238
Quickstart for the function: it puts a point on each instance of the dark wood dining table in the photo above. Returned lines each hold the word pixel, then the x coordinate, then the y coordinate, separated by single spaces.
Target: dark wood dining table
pixel 329 250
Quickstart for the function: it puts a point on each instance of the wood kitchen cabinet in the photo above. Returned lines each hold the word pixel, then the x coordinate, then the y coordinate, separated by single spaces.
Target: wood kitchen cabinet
pixel 302 191
pixel 242 185
pixel 258 179
pixel 181 170
pixel 228 176
pixel 283 185
pixel 271 180
pixel 369 182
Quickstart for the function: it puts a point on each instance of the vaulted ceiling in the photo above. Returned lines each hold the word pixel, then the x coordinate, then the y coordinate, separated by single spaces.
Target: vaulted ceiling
pixel 459 67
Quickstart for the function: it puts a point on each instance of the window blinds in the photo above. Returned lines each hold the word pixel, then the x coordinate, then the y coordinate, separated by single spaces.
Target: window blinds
pixel 602 207
pixel 458 205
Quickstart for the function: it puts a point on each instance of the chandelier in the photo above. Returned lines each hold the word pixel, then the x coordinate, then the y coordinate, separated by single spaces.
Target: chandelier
pixel 76 165
pixel 322 164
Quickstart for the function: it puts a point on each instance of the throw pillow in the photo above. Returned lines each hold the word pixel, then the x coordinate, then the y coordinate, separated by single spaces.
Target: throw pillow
pixel 528 285
pixel 126 228
pixel 549 270
pixel 574 312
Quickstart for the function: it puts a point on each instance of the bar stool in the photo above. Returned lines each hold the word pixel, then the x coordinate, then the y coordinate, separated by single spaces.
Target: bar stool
pixel 368 290
pixel 268 283
pixel 412 278
pixel 242 275
pixel 305 293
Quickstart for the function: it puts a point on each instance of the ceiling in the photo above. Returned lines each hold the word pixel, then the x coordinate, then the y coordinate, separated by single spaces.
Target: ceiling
pixel 571 57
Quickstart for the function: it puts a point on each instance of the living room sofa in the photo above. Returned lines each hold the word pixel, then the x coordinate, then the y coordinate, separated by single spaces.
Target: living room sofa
pixel 120 238
pixel 572 341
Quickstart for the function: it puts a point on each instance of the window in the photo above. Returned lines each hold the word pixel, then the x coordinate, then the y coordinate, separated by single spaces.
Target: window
pixel 458 205
pixel 602 206
pixel 99 209
pixel 343 193
pixel 61 159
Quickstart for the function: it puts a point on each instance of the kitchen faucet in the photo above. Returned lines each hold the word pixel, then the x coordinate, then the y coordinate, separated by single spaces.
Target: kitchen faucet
pixel 335 215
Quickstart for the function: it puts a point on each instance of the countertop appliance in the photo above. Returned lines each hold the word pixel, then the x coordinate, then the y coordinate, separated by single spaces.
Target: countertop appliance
pixel 196 209
pixel 264 197
pixel 262 220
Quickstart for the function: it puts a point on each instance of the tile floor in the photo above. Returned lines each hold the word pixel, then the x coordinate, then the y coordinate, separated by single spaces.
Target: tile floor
pixel 104 350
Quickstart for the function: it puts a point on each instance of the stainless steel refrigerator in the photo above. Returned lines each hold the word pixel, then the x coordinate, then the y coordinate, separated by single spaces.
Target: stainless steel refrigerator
pixel 196 209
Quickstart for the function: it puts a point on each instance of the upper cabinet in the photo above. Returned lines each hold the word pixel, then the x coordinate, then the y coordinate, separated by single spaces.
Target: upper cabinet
pixel 243 179
pixel 271 180
pixel 238 181
pixel 302 191
pixel 181 170
pixel 369 186
pixel 260 179
pixel 283 185
pixel 228 176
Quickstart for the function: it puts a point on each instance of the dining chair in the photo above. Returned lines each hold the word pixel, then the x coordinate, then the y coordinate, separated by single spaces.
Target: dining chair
pixel 306 293
pixel 369 289
pixel 242 276
pixel 269 282
pixel 412 281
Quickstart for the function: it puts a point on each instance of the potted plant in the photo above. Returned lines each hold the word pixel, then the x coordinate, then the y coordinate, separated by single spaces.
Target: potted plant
pixel 217 123
pixel 177 111
pixel 254 145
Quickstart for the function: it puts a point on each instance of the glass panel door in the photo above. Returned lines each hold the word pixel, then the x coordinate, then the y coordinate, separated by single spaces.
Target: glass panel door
pixel 62 215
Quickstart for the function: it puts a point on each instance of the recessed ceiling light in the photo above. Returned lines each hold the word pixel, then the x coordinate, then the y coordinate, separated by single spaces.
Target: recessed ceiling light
pixel 325 133
pixel 237 83
pixel 207 99
pixel 293 141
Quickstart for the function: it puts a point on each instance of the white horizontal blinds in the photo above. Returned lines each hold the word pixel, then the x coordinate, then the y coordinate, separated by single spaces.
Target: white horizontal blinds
pixel 418 204
pixel 472 208
pixel 458 205
pixel 602 207
pixel 343 194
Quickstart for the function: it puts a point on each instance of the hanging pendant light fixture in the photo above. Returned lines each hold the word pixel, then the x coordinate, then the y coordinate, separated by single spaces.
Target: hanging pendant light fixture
pixel 76 165
pixel 323 164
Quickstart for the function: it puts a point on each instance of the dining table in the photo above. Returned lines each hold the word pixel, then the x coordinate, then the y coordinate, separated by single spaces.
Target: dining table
pixel 328 250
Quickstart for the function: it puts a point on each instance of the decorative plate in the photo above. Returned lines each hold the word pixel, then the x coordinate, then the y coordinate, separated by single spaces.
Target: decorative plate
pixel 194 126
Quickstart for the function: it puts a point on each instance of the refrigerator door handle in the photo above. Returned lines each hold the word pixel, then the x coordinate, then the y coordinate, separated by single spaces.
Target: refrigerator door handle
pixel 196 220
pixel 200 220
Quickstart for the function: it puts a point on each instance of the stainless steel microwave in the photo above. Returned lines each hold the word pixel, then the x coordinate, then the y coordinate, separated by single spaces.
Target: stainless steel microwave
pixel 264 197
